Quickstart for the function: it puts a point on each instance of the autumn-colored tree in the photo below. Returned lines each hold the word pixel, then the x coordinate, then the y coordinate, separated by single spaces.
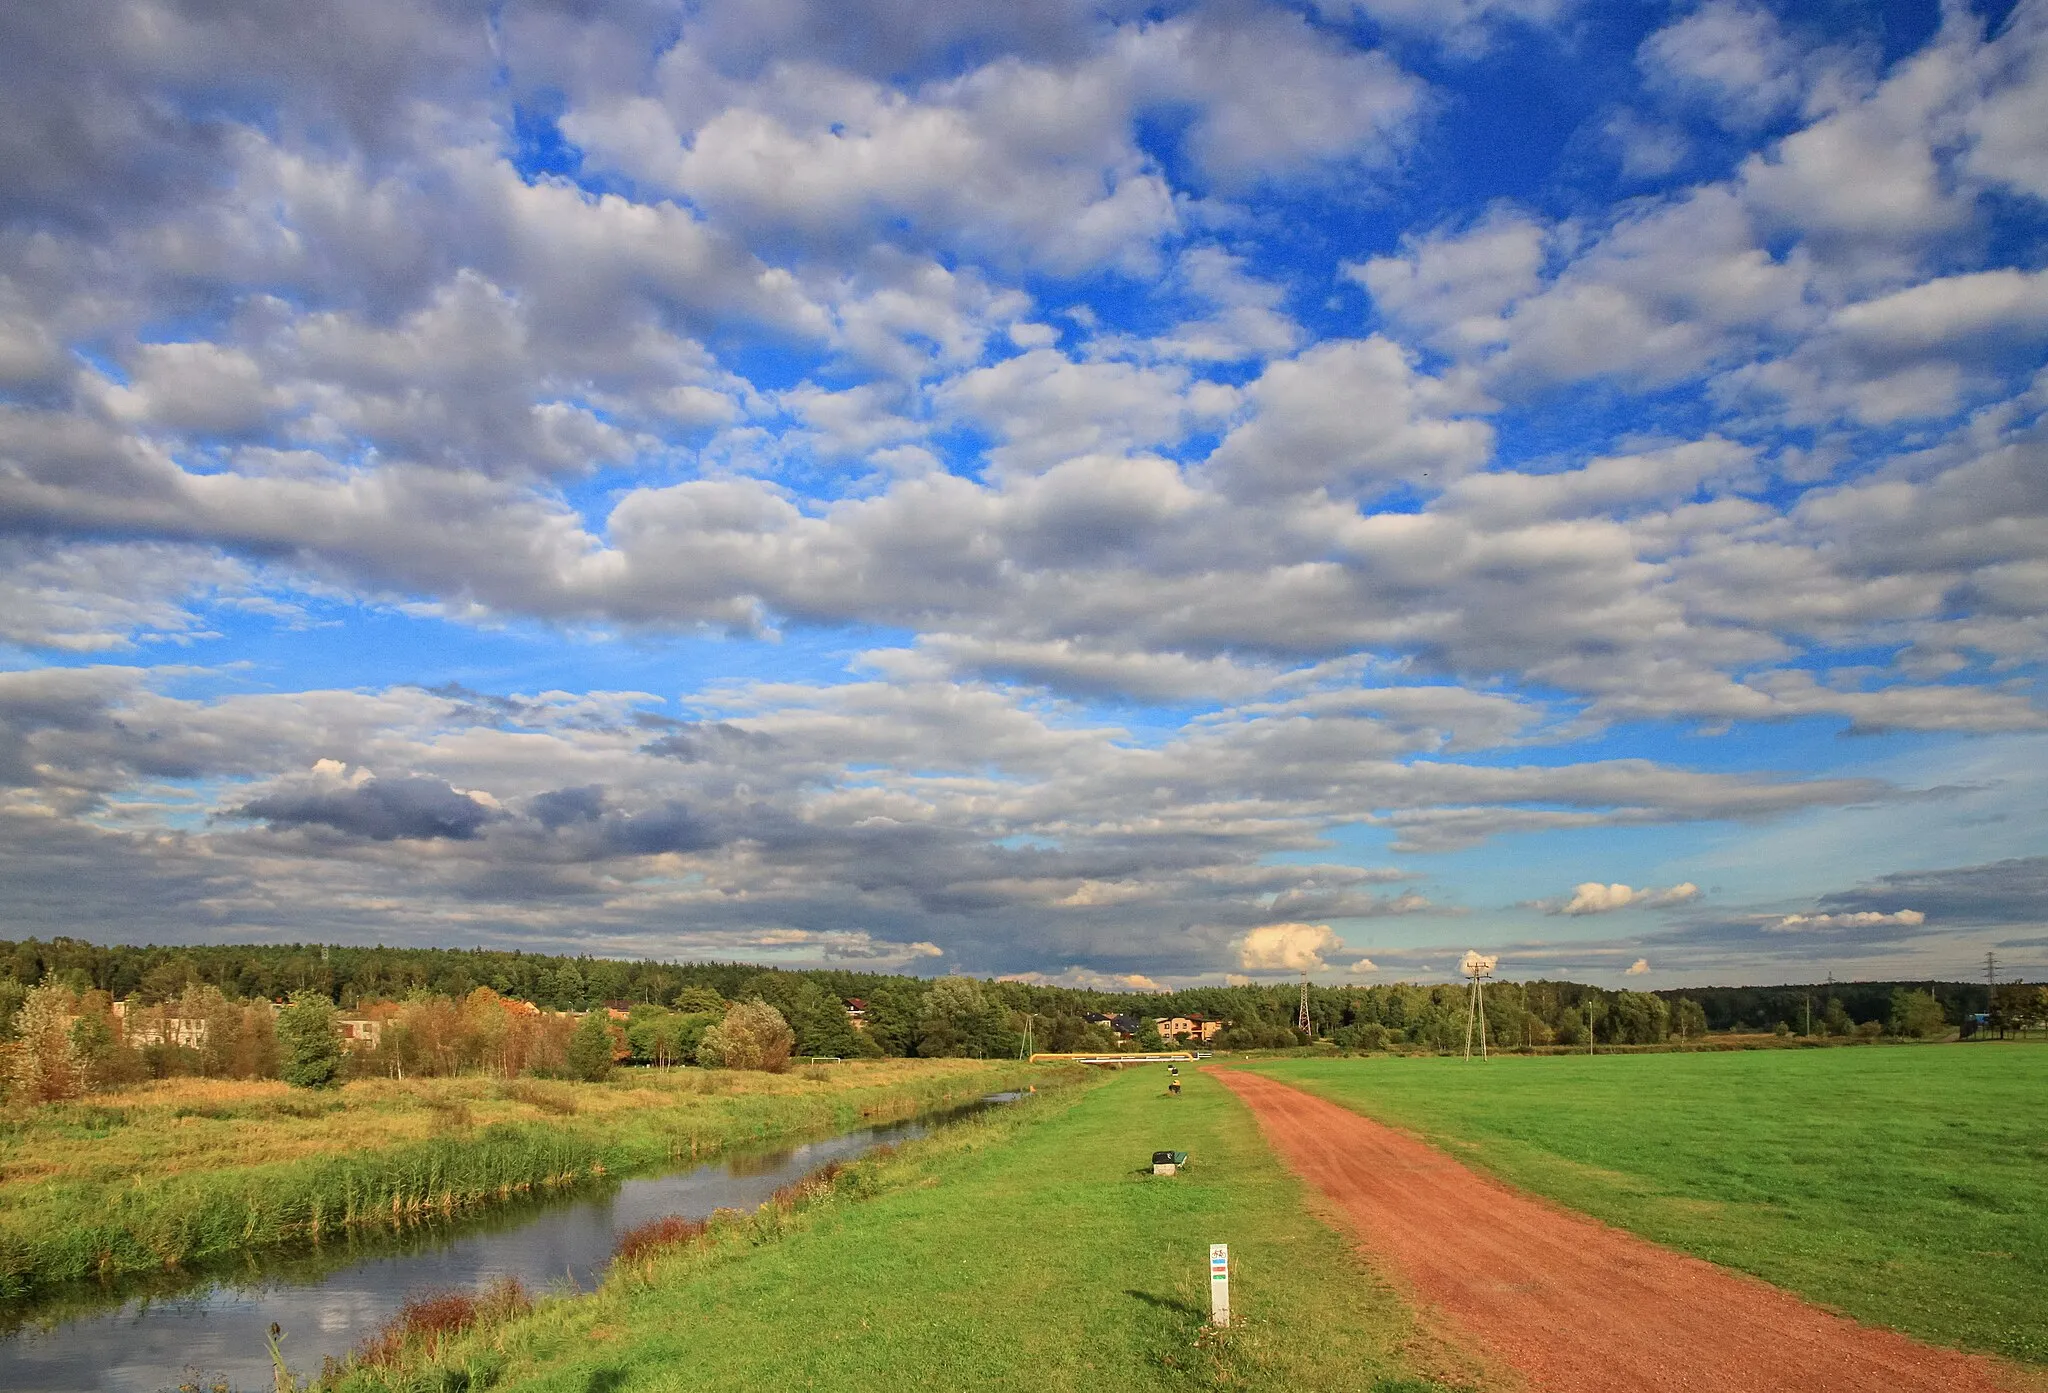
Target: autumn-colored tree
pixel 46 1066
pixel 753 1035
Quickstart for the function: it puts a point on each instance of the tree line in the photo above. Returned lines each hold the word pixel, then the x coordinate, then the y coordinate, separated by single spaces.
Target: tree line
pixel 444 1011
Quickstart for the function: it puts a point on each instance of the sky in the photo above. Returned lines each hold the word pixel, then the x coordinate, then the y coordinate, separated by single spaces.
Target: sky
pixel 1104 494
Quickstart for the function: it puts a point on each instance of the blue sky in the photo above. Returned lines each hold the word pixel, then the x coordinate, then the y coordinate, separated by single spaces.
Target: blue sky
pixel 1114 495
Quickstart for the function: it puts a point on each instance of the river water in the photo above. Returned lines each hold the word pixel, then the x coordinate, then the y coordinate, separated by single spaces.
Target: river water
pixel 328 1303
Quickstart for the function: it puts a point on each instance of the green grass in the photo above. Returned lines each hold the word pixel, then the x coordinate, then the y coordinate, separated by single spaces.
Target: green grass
pixel 196 1172
pixel 1025 1250
pixel 1907 1187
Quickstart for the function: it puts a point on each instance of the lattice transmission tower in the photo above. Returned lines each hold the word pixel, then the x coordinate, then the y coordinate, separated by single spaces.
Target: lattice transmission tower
pixel 1302 1022
pixel 1477 967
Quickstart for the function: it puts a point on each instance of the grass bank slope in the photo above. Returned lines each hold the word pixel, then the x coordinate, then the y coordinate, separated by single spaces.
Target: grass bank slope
pixel 1907 1187
pixel 1023 1250
pixel 191 1171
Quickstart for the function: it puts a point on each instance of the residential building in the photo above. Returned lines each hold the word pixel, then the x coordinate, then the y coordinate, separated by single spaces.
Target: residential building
pixel 361 1034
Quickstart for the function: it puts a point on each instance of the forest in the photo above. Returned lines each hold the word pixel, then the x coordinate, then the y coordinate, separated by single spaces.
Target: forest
pixel 970 1017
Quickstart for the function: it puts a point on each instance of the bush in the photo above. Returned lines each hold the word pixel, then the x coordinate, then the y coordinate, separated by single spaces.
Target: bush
pixel 1369 1036
pixel 753 1035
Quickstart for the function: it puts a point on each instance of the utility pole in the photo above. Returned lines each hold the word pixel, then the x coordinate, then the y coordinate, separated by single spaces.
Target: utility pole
pixel 1302 1022
pixel 1991 990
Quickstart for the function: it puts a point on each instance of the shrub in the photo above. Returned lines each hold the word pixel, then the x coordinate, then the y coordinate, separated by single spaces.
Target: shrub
pixel 428 1320
pixel 644 1240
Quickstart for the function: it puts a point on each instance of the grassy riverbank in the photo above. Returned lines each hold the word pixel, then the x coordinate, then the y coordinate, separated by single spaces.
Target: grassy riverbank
pixel 188 1171
pixel 1904 1186
pixel 1026 1249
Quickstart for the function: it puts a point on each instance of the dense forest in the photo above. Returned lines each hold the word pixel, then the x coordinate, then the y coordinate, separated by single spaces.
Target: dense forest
pixel 897 1019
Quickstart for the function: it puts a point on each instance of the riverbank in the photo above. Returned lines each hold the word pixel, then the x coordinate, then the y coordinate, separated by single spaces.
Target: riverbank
pixel 1026 1249
pixel 189 1172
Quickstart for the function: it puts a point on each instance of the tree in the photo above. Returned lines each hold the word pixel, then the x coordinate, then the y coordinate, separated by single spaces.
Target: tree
pixel 1689 1020
pixel 46 1066
pixel 590 1047
pixel 1917 1014
pixel 753 1035
pixel 958 1020
pixel 309 1039
pixel 1835 1020
pixel 693 1001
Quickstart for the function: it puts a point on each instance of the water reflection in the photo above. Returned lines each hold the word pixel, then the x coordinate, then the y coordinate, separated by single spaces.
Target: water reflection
pixel 165 1333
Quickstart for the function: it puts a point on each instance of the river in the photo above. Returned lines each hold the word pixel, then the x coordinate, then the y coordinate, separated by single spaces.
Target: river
pixel 211 1329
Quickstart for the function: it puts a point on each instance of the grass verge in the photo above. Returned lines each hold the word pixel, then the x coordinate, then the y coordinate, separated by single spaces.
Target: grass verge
pixel 186 1174
pixel 1026 1249
pixel 1907 1187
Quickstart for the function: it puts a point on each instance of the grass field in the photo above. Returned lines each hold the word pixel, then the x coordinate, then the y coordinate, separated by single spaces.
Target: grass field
pixel 1024 1250
pixel 1906 1186
pixel 189 1171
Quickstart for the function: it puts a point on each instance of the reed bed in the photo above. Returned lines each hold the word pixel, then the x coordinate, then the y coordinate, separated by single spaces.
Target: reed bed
pixel 193 1172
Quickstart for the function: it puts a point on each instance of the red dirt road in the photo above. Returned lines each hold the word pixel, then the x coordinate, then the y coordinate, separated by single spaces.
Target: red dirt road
pixel 1569 1302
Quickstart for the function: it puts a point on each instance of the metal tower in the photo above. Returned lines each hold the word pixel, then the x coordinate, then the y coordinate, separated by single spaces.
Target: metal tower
pixel 1302 1022
pixel 1477 967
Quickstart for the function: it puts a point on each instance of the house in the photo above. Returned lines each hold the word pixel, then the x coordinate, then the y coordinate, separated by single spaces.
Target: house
pixel 1123 1027
pixel 187 1033
pixel 360 1033
pixel 1195 1027
pixel 857 1013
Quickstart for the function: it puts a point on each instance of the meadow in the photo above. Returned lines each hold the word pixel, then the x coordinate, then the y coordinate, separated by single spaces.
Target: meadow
pixel 1905 1186
pixel 1025 1249
pixel 190 1171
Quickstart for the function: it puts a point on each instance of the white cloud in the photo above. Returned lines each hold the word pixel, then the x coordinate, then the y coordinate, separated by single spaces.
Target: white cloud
pixel 1287 948
pixel 1351 416
pixel 1640 967
pixel 1735 55
pixel 1453 289
pixel 1865 919
pixel 1595 898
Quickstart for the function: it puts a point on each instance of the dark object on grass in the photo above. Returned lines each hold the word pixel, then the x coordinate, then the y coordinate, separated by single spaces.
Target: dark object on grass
pixel 1168 1162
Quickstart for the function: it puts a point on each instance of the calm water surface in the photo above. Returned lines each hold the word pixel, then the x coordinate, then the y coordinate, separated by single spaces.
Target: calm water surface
pixel 327 1304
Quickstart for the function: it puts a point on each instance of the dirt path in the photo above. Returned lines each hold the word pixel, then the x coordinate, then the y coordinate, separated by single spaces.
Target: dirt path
pixel 1569 1302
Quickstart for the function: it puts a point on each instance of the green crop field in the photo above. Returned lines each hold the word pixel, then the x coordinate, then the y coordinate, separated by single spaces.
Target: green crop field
pixel 1904 1186
pixel 1026 1250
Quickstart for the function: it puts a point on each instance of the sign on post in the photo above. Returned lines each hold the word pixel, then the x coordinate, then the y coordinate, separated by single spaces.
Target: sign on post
pixel 1219 1283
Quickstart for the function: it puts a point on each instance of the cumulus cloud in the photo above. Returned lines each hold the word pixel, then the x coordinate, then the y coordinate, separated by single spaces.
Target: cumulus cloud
pixel 1287 948
pixel 379 809
pixel 1864 919
pixel 1640 967
pixel 999 347
pixel 1595 898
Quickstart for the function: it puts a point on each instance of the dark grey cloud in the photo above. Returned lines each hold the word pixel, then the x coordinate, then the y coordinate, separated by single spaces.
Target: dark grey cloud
pixel 2001 892
pixel 381 809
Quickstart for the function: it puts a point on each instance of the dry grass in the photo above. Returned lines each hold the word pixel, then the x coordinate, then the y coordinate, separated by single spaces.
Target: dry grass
pixel 181 1171
pixel 167 1127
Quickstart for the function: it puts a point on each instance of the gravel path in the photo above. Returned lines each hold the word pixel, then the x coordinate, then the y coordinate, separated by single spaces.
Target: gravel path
pixel 1569 1302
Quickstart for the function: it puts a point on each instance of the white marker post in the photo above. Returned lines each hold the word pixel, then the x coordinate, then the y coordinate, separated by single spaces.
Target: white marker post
pixel 1219 1284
